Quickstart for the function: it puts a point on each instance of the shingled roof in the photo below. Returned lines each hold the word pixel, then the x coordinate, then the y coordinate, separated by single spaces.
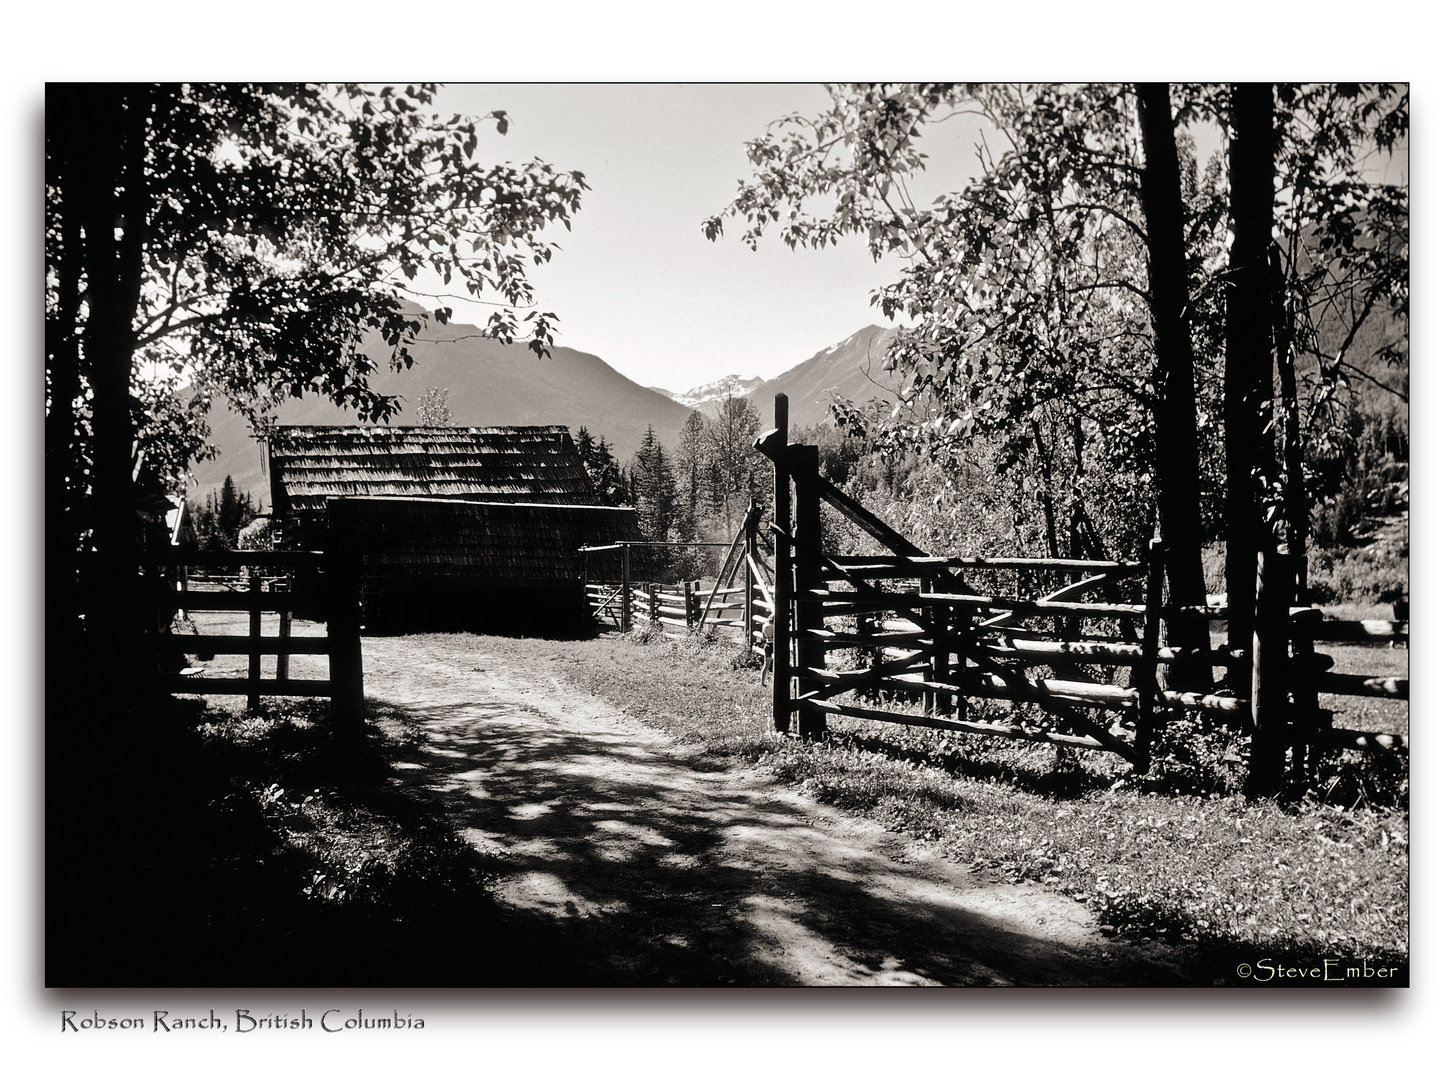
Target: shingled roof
pixel 310 465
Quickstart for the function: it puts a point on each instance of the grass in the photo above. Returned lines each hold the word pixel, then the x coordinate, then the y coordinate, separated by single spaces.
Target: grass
pixel 235 848
pixel 1178 855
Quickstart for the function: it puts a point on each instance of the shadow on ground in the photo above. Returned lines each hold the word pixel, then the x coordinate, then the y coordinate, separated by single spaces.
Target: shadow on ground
pixel 163 870
pixel 659 870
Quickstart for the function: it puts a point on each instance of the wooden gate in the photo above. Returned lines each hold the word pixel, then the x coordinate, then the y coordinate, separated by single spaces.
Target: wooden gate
pixel 285 583
pixel 1080 639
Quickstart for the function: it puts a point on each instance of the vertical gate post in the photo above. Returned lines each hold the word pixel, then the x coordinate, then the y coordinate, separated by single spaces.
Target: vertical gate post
pixel 748 589
pixel 625 587
pixel 808 577
pixel 1144 675
pixel 1269 675
pixel 783 575
pixel 254 636
pixel 345 650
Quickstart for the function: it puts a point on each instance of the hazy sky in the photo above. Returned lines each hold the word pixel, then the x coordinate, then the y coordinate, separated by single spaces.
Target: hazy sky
pixel 635 281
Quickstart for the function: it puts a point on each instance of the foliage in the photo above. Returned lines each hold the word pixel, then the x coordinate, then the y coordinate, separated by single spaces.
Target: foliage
pixel 244 239
pixel 434 408
pixel 1028 343
pixel 222 516
pixel 609 486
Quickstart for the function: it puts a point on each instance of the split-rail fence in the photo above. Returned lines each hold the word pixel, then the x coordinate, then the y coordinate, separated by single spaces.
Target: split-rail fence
pixel 738 601
pixel 1084 640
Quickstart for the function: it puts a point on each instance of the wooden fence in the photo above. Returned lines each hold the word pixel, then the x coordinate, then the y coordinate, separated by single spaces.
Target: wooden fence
pixel 690 605
pixel 279 582
pixel 1081 639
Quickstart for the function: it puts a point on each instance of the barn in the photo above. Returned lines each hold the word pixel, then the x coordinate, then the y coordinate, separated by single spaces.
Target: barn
pixel 454 528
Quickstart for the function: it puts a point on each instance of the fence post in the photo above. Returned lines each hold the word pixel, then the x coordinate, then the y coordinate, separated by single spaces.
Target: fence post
pixel 345 650
pixel 651 602
pixel 748 589
pixel 254 636
pixel 1303 680
pixel 808 576
pixel 1269 676
pixel 625 587
pixel 285 631
pixel 783 576
pixel 689 603
pixel 1144 676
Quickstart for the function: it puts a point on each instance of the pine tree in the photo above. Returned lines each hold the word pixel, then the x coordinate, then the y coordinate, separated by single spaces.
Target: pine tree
pixel 609 486
pixel 654 489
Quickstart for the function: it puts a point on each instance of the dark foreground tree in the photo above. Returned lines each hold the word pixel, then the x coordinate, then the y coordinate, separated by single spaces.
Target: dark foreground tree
pixel 1066 304
pixel 247 238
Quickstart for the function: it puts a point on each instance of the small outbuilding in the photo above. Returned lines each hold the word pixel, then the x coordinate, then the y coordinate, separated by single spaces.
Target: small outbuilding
pixel 453 528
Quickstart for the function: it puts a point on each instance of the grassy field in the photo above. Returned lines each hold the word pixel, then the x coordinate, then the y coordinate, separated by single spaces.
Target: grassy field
pixel 1178 855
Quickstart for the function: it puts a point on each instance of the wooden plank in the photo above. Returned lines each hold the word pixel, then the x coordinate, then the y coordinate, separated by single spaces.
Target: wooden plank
pixel 1377 631
pixel 1362 685
pixel 807 573
pixel 915 565
pixel 832 639
pixel 232 644
pixel 947 724
pixel 1347 739
pixel 255 633
pixel 1027 607
pixel 1203 702
pixel 239 687
pixel 237 601
pixel 276 560
pixel 1095 695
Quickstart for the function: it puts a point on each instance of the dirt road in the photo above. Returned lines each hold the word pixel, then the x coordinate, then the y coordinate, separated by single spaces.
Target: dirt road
pixel 662 869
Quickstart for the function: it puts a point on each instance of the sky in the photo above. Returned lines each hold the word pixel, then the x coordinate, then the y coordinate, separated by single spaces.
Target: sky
pixel 635 281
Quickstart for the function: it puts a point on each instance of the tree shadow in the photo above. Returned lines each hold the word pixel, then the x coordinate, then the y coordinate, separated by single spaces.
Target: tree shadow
pixel 661 870
pixel 163 869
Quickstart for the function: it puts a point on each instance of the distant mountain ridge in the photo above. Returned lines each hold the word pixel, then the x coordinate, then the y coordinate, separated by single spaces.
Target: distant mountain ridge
pixel 851 369
pixel 717 391
pixel 491 384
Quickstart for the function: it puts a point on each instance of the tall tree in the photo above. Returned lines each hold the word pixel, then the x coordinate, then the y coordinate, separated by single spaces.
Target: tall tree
pixel 692 462
pixel 654 488
pixel 247 238
pixel 1247 378
pixel 1178 471
pixel 1028 289
pixel 1067 302
pixel 736 472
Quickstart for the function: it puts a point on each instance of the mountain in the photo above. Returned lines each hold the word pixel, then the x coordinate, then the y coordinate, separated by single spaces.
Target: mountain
pixel 851 369
pixel 492 384
pixel 712 393
pixel 489 384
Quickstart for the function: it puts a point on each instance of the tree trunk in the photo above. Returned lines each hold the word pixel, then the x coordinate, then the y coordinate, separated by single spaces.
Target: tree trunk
pixel 109 127
pixel 63 386
pixel 1178 467
pixel 1247 385
pixel 1295 511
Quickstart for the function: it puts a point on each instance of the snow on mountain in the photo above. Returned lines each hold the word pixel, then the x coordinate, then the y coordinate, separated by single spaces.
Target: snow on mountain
pixel 719 390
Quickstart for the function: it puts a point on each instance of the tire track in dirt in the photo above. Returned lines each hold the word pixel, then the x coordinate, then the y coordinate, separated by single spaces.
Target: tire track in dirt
pixel 661 868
